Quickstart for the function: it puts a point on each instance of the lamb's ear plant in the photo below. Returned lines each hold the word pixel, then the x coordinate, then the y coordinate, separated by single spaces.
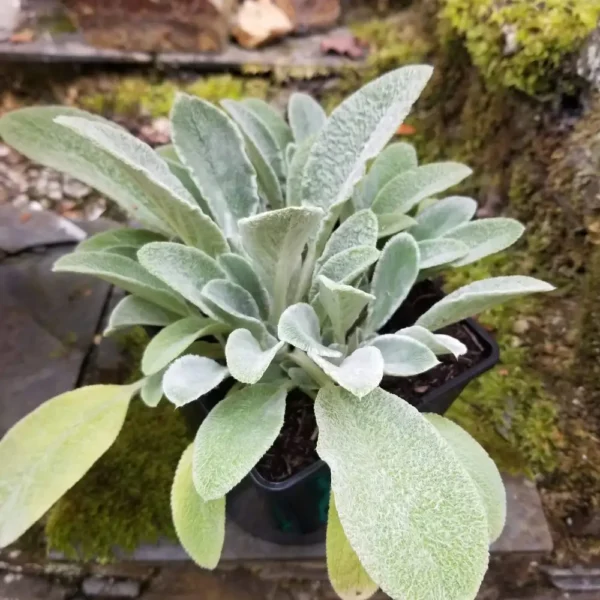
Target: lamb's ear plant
pixel 273 254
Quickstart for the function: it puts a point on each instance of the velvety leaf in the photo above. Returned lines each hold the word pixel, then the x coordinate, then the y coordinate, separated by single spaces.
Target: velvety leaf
pixel 390 224
pixel 480 467
pixel 246 360
pixel 357 131
pixel 406 190
pixel 232 304
pixel 299 326
pixel 169 155
pixel 306 116
pixel 408 507
pixel 240 271
pixel 274 241
pixel 132 311
pixel 358 230
pixel 433 253
pixel 269 185
pixel 124 273
pixel 190 377
pixel 296 172
pixel 392 161
pixel 200 525
pixel 152 390
pixel 346 266
pixel 52 448
pixel 360 373
pixel 185 270
pixel 212 148
pixel 485 237
pixel 33 132
pixel 174 339
pixel 274 122
pixel 477 297
pixel 438 343
pixel 163 194
pixel 404 356
pixel 290 151
pixel 395 274
pixel 343 304
pixel 347 576
pixel 235 435
pixel 443 216
pixel 134 238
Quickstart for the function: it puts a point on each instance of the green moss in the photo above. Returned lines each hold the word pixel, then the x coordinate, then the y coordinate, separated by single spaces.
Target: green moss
pixel 544 34
pixel 124 499
pixel 508 409
pixel 135 95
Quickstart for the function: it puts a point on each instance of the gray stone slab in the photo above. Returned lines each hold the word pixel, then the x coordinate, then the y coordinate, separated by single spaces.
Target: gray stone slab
pixel 579 578
pixel 526 532
pixel 47 328
pixel 22 229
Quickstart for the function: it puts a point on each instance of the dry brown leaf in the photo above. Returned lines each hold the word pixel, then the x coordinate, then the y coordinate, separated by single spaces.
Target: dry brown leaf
pixel 344 44
pixel 22 37
pixel 260 21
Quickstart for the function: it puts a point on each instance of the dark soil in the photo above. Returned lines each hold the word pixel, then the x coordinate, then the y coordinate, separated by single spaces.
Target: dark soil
pixel 295 448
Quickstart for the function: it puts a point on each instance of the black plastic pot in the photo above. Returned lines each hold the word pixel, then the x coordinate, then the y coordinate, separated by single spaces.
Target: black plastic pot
pixel 294 511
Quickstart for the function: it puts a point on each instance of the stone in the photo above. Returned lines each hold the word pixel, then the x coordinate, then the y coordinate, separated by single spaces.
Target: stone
pixel 75 189
pixel 48 325
pixel 579 578
pixel 23 587
pixel 100 587
pixel 588 62
pixel 307 15
pixel 22 228
pixel 258 22
pixel 154 25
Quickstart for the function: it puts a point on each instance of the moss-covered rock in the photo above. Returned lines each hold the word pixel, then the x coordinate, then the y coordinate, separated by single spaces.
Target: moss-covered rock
pixel 520 43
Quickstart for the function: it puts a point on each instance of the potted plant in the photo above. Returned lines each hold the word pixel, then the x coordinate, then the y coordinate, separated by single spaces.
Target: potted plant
pixel 287 262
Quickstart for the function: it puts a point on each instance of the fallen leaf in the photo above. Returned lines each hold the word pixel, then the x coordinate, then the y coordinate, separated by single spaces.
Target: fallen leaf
pixel 22 37
pixel 258 22
pixel 405 129
pixel 344 44
pixel 24 217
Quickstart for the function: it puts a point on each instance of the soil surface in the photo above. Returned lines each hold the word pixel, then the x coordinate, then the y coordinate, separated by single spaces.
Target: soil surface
pixel 295 447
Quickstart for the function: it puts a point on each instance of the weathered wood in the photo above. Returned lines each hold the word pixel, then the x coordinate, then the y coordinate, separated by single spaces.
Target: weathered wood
pixel 154 25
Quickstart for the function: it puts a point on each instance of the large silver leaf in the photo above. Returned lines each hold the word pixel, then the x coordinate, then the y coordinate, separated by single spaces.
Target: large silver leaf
pixel 173 340
pixel 232 304
pixel 394 276
pixel 274 122
pixel 151 391
pixel 274 241
pixel 406 190
pixel 52 448
pixel 360 229
pixel 212 148
pixel 200 525
pixel 190 377
pixel 296 172
pixel 410 510
pixel 360 373
pixel 34 132
pixel 480 467
pixel 440 251
pixel 438 343
pixel 124 273
pixel 186 270
pixel 240 271
pixel 392 223
pixel 246 360
pixel 306 116
pixel 485 237
pixel 477 297
pixel 443 216
pixel 357 131
pixel 395 159
pixel 343 305
pixel 404 356
pixel 347 576
pixel 122 236
pixel 299 326
pixel 235 435
pixel 132 311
